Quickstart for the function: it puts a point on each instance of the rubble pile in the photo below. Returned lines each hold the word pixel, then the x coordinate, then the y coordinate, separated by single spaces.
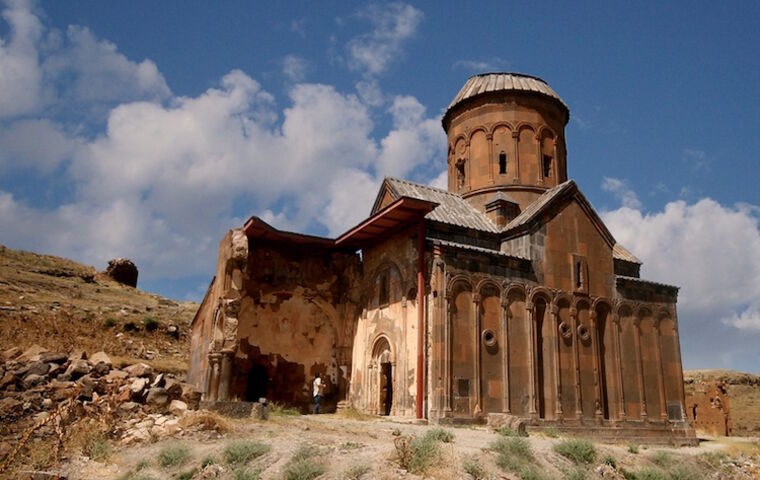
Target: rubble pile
pixel 35 382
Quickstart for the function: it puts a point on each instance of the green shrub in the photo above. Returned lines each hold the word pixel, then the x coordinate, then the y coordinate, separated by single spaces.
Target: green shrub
pixel 551 432
pixel 472 467
pixel 660 458
pixel 188 475
pixel 350 446
pixel 514 454
pixel 579 451
pixel 97 448
pixel 610 460
pixel 150 324
pixel 173 455
pixel 685 472
pixel 633 448
pixel 507 432
pixel 440 434
pixel 396 432
pixel 646 474
pixel 207 460
pixel 712 459
pixel 576 474
pixel 302 465
pixel 279 410
pixel 130 326
pixel 109 323
pixel 247 474
pixel 240 452
pixel 357 471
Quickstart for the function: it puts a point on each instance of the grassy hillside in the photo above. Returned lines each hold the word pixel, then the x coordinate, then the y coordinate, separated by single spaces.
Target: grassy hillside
pixel 63 306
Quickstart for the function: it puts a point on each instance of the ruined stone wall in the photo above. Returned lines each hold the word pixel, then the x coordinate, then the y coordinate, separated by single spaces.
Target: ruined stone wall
pixel 387 328
pixel 202 327
pixel 296 319
pixel 707 406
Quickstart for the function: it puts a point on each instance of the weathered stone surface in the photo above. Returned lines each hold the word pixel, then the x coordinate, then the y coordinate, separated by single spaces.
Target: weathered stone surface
pixel 32 354
pixel 157 397
pixel 53 357
pixel 138 386
pixel 158 381
pixel 100 357
pixel 190 395
pixel 10 354
pixel 123 271
pixel 101 369
pixel 38 368
pixel 116 375
pixel 178 407
pixel 139 370
pixel 32 380
pixel 6 380
pixel 77 368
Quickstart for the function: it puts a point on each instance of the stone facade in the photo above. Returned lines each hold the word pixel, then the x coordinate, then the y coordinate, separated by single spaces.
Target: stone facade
pixel 708 408
pixel 504 295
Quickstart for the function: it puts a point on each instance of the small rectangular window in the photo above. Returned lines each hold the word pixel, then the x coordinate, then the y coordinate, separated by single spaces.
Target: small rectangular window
pixel 384 289
pixel 580 274
pixel 547 166
pixel 502 163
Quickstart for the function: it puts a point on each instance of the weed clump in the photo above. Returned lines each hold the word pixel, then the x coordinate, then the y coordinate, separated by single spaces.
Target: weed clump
pixel 579 451
pixel 440 434
pixel 473 468
pixel 280 410
pixel 357 471
pixel 247 474
pixel 150 324
pixel 241 452
pixel 610 460
pixel 173 455
pixel 302 465
pixel 514 454
pixel 109 323
pixel 633 448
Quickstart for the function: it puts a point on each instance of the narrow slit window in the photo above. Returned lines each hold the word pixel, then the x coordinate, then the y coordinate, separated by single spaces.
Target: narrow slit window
pixel 502 163
pixel 578 275
pixel 384 294
pixel 547 166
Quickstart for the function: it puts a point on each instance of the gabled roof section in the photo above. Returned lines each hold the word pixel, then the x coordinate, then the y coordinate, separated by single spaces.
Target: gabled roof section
pixel 257 228
pixel 451 208
pixel 533 215
pixel 619 252
pixel 389 219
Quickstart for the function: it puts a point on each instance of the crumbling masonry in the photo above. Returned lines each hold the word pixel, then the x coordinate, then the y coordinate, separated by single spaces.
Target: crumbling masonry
pixel 503 296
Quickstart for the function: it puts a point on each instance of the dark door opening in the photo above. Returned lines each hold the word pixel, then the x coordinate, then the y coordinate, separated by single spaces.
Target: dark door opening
pixel 386 388
pixel 257 383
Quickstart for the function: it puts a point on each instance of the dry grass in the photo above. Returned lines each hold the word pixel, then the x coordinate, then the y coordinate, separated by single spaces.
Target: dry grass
pixel 205 420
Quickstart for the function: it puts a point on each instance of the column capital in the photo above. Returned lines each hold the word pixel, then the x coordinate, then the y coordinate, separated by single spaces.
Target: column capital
pixel 515 134
pixel 529 306
pixel 476 298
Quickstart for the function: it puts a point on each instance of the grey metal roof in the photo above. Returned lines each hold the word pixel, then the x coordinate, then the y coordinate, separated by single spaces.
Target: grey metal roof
pixel 452 209
pixel 535 207
pixel 493 82
pixel 621 253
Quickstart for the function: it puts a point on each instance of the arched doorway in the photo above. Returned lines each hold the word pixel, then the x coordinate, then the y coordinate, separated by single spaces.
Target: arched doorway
pixel 257 383
pixel 382 364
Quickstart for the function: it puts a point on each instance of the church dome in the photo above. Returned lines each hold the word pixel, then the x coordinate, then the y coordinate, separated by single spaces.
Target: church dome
pixel 485 83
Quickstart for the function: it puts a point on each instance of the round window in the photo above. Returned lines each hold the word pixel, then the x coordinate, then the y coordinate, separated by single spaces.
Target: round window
pixel 489 338
pixel 583 332
pixel 565 330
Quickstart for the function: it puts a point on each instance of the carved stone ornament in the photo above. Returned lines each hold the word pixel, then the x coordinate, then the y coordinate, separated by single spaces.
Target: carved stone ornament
pixel 565 330
pixel 584 332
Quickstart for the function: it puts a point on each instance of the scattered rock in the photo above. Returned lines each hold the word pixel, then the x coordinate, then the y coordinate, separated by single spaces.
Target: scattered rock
pixel 54 357
pixel 123 271
pixel 116 375
pixel 101 369
pixel 32 354
pixel 139 370
pixel 39 368
pixel 137 387
pixel 100 357
pixel 157 397
pixel 77 368
pixel 178 407
pixel 32 380
pixel 10 354
pixel 159 381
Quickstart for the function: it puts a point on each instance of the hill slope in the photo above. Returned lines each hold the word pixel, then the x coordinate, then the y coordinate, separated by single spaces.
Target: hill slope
pixel 63 306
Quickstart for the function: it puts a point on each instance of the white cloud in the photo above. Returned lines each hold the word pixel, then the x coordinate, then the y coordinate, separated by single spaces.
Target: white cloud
pixel 441 181
pixel 392 24
pixel 482 66
pixel 622 191
pixel 20 75
pixel 34 144
pixel 294 67
pixel 713 253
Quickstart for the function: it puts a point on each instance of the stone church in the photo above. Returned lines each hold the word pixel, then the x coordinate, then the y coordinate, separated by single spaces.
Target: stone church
pixel 503 295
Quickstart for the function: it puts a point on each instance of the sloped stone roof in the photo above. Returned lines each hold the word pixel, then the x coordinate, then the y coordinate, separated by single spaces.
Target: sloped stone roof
pixel 534 208
pixel 621 253
pixel 452 209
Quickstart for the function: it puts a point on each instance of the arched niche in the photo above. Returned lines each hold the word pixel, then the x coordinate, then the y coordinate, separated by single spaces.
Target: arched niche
pixel 491 348
pixel 519 353
pixel 629 362
pixel 586 359
pixel 462 348
pixel 650 366
pixel 608 380
pixel 545 345
pixel 564 329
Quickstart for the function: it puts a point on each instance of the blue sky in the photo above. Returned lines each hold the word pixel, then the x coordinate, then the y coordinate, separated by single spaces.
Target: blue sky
pixel 147 129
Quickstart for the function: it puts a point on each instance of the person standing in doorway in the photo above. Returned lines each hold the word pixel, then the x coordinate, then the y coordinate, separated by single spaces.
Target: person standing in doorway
pixel 317 392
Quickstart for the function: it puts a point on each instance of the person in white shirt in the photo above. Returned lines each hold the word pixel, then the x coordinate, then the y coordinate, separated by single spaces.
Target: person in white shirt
pixel 317 392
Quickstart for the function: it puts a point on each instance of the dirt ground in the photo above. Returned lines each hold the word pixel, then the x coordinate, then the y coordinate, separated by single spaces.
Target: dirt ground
pixel 349 445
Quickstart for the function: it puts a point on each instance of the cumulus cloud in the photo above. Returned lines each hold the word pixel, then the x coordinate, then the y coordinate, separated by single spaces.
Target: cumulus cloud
pixel 712 252
pixel 481 66
pixel 622 191
pixel 162 176
pixel 294 67
pixel 392 24
pixel 20 75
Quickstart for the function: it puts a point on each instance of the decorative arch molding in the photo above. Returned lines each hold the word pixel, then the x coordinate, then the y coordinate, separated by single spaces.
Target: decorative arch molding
pixel 525 126
pixel 562 297
pixel 644 311
pixel 545 129
pixel 487 282
pixel 544 292
pixel 601 301
pixel 385 264
pixel 496 125
pixel 459 279
pixel 624 307
pixel 377 341
pixel 509 288
pixel 578 301
pixel 662 313
pixel 479 128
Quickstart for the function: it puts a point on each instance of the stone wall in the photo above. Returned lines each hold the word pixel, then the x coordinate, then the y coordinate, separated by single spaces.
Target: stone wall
pixel 708 408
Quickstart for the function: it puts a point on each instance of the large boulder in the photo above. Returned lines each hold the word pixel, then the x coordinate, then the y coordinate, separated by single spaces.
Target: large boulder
pixel 157 397
pixel 139 370
pixel 77 368
pixel 123 271
pixel 100 357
